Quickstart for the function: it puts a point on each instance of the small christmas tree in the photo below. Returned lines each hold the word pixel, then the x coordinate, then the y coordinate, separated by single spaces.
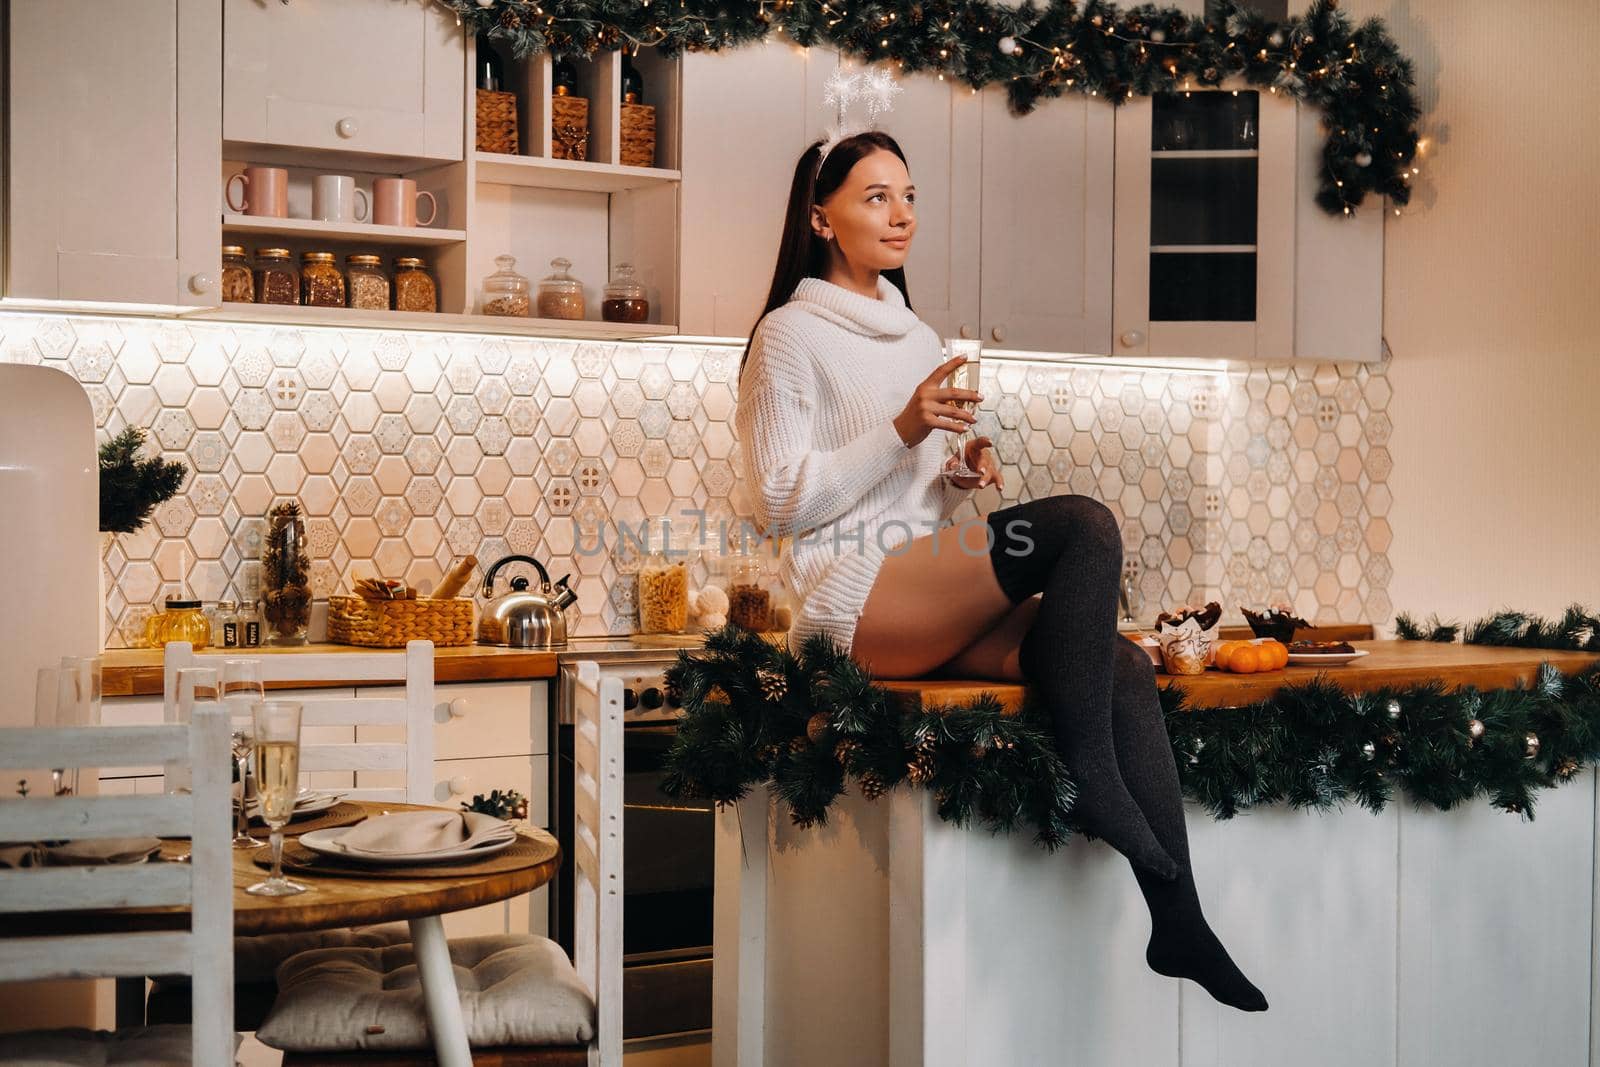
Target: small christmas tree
pixel 131 485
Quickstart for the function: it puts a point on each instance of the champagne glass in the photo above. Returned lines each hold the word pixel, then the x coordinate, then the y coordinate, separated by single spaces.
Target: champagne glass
pixel 196 687
pixel 46 707
pixel 242 689
pixel 965 376
pixel 276 725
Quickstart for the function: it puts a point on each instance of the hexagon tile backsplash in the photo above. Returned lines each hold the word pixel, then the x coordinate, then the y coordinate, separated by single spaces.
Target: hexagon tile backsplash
pixel 410 449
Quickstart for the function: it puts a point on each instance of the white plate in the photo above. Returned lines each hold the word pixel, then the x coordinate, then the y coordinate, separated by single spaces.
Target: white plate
pixel 308 803
pixel 327 843
pixel 1325 659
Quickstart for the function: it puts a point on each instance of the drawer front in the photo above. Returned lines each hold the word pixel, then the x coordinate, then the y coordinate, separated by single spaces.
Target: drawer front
pixel 478 719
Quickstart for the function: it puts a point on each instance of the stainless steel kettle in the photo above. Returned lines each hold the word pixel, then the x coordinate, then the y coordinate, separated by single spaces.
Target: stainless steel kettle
pixel 524 618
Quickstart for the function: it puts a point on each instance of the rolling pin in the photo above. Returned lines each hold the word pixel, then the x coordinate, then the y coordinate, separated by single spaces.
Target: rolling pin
pixel 453 582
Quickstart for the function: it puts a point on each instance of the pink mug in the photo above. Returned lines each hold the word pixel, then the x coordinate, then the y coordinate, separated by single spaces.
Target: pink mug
pixel 262 191
pixel 394 203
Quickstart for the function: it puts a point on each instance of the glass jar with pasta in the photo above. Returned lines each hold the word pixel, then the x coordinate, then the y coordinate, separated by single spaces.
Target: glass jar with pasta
pixel 663 593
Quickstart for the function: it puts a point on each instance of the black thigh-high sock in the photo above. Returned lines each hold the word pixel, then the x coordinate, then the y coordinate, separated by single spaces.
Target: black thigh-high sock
pixel 1181 942
pixel 1069 548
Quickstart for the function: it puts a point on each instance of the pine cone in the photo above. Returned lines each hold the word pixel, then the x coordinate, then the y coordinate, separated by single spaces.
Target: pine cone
pixel 510 19
pixel 773 684
pixel 799 744
pixel 817 727
pixel 872 786
pixel 1567 767
pixel 846 749
pixel 921 768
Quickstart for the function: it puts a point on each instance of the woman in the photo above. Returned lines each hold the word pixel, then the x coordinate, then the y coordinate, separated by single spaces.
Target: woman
pixel 840 459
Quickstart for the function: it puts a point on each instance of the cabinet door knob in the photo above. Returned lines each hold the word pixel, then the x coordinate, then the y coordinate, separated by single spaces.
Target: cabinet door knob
pixel 458 785
pixel 458 708
pixel 1133 339
pixel 966 332
pixel 201 283
pixel 346 128
pixel 998 333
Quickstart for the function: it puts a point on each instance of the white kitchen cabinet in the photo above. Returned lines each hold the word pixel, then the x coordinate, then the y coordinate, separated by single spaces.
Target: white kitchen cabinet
pixel 378 77
pixel 1221 249
pixel 115 151
pixel 748 113
pixel 1047 225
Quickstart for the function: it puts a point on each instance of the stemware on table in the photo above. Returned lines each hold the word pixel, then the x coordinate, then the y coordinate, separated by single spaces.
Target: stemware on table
pixel 276 726
pixel 242 689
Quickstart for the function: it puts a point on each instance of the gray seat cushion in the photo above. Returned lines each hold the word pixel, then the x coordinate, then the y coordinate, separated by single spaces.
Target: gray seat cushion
pixel 516 990
pixel 140 1046
pixel 257 958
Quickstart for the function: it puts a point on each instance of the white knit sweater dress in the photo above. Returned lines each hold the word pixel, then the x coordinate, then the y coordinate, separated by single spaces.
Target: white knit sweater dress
pixel 823 463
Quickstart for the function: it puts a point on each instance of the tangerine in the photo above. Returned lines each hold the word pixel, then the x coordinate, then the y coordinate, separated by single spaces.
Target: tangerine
pixel 1224 653
pixel 1245 660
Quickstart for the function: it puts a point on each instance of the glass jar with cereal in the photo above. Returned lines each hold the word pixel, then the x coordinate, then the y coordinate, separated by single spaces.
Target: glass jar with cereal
pixel 560 294
pixel 321 281
pixel 277 281
pixel 368 284
pixel 505 292
pixel 663 593
pixel 414 287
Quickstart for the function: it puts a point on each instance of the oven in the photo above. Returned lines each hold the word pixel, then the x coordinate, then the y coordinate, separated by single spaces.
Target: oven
pixel 666 854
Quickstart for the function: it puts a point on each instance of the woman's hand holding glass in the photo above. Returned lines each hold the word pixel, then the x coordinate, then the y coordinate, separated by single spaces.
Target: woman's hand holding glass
pixel 934 406
pixel 979 457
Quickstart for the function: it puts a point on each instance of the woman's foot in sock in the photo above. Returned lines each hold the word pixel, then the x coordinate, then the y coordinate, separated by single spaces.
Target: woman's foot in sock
pixel 1107 810
pixel 1196 954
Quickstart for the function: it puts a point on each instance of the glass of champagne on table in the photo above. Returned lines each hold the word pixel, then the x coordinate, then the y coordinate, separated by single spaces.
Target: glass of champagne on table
pixel 276 725
pixel 965 376
pixel 242 690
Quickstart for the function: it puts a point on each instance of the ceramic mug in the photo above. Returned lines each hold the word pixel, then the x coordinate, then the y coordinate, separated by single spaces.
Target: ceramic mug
pixel 262 191
pixel 333 199
pixel 394 203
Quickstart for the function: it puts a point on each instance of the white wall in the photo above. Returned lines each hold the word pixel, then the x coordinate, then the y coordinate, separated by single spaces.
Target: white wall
pixel 1492 308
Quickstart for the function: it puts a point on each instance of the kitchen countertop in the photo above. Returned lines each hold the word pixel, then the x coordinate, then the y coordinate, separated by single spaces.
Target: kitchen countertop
pixel 137 671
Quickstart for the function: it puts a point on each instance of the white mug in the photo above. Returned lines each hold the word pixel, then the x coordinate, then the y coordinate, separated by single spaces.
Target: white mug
pixel 333 199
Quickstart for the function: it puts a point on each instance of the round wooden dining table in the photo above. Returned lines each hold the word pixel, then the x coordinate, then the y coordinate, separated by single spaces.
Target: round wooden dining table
pixel 334 901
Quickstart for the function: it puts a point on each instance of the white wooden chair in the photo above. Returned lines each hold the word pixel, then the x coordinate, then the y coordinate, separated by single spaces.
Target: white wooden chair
pixel 414 711
pixel 411 757
pixel 597 860
pixel 205 884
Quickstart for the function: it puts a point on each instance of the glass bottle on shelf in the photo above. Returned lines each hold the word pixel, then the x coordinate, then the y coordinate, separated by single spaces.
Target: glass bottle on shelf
pixel 632 81
pixel 368 284
pixel 505 292
pixel 625 299
pixel 277 280
pixel 560 294
pixel 414 287
pixel 225 627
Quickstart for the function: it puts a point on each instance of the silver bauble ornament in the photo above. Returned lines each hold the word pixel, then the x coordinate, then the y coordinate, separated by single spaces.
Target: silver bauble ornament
pixel 1394 709
pixel 1158 36
pixel 1008 46
pixel 1532 749
pixel 1369 750
pixel 1475 729
pixel 1363 159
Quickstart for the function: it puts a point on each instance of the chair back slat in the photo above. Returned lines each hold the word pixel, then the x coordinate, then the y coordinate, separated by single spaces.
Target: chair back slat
pixel 92 746
pixel 414 711
pixel 127 955
pixel 205 883
pixel 65 818
pixel 59 888
pixel 597 852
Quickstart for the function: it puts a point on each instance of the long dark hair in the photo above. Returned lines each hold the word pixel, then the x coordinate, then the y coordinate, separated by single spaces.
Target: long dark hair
pixel 801 253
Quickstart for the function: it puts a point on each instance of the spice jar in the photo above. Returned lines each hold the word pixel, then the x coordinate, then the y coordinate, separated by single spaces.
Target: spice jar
pixel 505 292
pixel 624 298
pixel 238 285
pixel 414 288
pixel 663 593
pixel 277 282
pixel 560 294
pixel 749 602
pixel 367 283
pixel 321 281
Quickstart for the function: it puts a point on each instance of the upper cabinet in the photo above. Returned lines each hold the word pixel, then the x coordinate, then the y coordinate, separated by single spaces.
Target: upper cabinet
pixel 1221 249
pixel 748 114
pixel 115 151
pixel 378 77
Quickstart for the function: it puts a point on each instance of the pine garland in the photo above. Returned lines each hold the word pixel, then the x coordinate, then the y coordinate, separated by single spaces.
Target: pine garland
pixel 1578 630
pixel 1356 76
pixel 806 724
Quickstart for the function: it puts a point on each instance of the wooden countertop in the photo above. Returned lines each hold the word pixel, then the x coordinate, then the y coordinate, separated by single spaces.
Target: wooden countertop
pixel 1391 664
pixel 137 671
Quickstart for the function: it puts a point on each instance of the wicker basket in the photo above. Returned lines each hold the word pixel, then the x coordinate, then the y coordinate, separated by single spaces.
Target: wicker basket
pixel 638 135
pixel 354 620
pixel 569 127
pixel 497 122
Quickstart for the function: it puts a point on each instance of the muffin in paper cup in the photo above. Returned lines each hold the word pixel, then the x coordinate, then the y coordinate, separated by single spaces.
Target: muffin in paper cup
pixel 1186 648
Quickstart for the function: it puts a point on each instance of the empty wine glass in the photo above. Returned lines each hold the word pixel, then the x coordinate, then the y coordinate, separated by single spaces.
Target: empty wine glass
pixel 965 376
pixel 242 688
pixel 276 725
pixel 196 687
pixel 46 704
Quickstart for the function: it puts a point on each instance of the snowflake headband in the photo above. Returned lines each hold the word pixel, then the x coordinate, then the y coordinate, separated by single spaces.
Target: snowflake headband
pixel 875 90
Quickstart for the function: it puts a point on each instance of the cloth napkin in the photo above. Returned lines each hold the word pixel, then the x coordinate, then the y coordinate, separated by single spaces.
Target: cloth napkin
pixel 78 853
pixel 422 833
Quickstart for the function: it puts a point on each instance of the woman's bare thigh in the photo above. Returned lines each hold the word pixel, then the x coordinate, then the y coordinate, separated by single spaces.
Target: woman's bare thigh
pixel 931 599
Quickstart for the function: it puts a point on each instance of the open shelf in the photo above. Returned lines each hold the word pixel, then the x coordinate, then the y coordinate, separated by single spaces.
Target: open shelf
pixel 355 318
pixel 408 236
pixel 537 173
